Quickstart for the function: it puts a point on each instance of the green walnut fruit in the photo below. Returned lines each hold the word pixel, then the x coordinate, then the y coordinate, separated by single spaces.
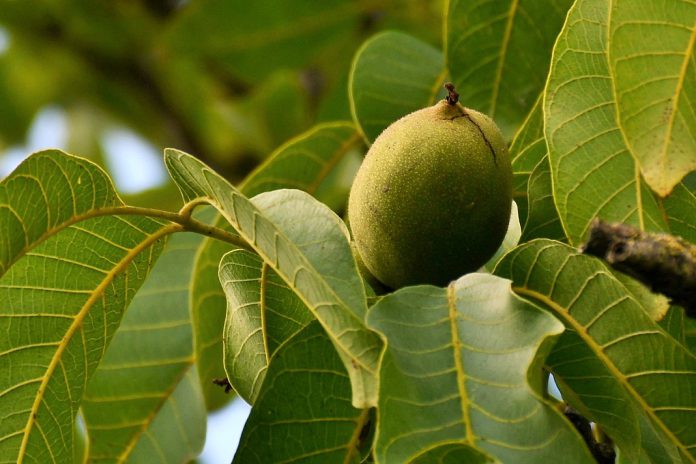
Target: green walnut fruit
pixel 431 201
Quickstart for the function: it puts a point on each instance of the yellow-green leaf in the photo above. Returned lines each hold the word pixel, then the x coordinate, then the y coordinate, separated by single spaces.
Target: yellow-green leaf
pixel 262 312
pixel 652 51
pixel 593 172
pixel 148 361
pixel 306 162
pixel 393 74
pixel 620 335
pixel 73 273
pixel 304 412
pixel 498 53
pixel 452 356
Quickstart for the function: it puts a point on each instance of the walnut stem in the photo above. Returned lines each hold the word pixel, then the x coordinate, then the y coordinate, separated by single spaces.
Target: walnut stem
pixel 452 96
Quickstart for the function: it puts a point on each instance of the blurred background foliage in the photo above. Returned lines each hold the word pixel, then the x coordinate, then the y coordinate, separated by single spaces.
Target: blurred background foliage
pixel 226 80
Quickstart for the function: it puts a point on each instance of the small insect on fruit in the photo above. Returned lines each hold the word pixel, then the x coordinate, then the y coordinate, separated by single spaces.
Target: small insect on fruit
pixel 431 201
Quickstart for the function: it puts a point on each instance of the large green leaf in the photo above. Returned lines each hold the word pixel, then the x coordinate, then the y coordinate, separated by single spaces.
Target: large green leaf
pixel 452 354
pixel 262 312
pixel 63 297
pixel 653 66
pixel 306 162
pixel 593 172
pixel 297 249
pixel 150 357
pixel 620 335
pixel 304 412
pixel 393 74
pixel 498 53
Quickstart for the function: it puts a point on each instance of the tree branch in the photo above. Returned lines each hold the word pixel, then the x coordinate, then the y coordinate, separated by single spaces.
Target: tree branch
pixel 602 451
pixel 663 262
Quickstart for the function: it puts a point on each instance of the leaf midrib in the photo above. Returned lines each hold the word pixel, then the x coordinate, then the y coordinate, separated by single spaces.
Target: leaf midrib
pixel 563 314
pixel 465 402
pixel 76 325
pixel 512 11
pixel 130 446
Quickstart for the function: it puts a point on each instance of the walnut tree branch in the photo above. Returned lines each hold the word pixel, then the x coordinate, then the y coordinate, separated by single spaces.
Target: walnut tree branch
pixel 663 262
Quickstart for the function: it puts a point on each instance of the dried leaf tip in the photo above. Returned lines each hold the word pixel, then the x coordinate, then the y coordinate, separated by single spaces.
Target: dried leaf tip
pixel 452 96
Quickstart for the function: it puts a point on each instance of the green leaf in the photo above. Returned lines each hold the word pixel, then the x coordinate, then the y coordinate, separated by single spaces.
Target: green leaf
pixel 593 172
pixel 680 209
pixel 673 323
pixel 63 297
pixel 510 241
pixel 303 412
pixel 452 453
pixel 588 386
pixel 498 54
pixel 653 66
pixel 542 217
pixel 297 250
pixel 148 360
pixel 526 151
pixel 251 40
pixel 262 312
pixel 393 74
pixel 48 191
pixel 451 355
pixel 655 305
pixel 528 147
pixel 305 162
pixel 628 344
pixel 178 432
pixel 208 309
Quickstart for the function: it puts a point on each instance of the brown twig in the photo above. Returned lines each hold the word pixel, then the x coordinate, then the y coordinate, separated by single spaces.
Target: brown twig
pixel 663 262
pixel 602 451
